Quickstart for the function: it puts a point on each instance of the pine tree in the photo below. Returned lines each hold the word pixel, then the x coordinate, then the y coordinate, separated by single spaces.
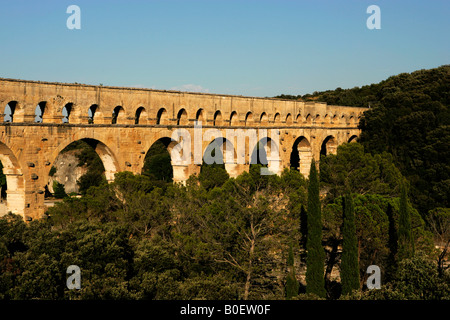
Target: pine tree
pixel 405 240
pixel 315 259
pixel 349 262
pixel 59 190
pixel 292 284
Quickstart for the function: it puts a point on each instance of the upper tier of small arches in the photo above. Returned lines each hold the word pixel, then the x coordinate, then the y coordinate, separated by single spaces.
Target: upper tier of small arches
pixel 70 112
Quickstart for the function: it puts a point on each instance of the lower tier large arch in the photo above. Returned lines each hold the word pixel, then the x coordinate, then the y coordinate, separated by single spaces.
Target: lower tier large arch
pixel 15 184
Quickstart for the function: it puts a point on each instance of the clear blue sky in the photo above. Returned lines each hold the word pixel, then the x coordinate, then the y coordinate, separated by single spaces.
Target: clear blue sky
pixel 245 47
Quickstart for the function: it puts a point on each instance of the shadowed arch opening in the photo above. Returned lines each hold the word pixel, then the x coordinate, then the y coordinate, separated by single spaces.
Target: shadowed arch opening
pixel 351 119
pixel 317 119
pixel 301 156
pixel 11 182
pixel 259 153
pixel 39 112
pixel 298 119
pixel 215 152
pixel 182 117
pixel 217 118
pixel 78 167
pixel 9 111
pixel 157 161
pixel 118 115
pixel 249 119
pixel 200 116
pixel 329 146
pixel 91 113
pixel 264 119
pixel 308 119
pixel 276 118
pixel 334 118
pixel 234 121
pixel 353 138
pixel 215 170
pixel 263 155
pixel 162 117
pixel 66 112
pixel 141 116
pixel 288 119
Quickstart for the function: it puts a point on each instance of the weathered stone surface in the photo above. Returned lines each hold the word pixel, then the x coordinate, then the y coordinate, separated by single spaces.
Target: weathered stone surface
pixel 143 117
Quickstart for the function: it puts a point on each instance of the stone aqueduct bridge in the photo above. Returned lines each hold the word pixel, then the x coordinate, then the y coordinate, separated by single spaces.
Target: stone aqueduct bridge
pixel 123 123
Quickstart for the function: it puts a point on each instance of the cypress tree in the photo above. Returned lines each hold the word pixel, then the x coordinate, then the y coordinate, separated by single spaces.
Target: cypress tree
pixel 349 262
pixel 405 240
pixel 303 232
pixel 392 244
pixel 292 284
pixel 315 258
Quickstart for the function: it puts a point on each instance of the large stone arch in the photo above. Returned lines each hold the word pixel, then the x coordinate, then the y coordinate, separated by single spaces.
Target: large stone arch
pixel 329 145
pixel 266 152
pixel 219 151
pixel 301 155
pixel 15 183
pixel 168 145
pixel 106 154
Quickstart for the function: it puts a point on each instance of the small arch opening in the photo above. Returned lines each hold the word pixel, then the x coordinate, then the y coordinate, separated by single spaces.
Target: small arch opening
pixel 234 121
pixel 9 111
pixel 200 116
pixel 39 112
pixel 217 118
pixel 157 161
pixel 182 117
pixel 91 113
pixel 66 112
pixel 161 117
pixel 117 115
pixel 140 116
pixel 264 119
pixel 276 118
pixel 249 119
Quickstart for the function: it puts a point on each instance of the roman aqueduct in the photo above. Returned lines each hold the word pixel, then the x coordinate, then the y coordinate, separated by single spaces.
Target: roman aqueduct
pixel 40 119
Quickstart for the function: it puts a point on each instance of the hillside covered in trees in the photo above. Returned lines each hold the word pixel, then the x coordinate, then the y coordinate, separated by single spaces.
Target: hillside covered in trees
pixel 382 201
pixel 409 117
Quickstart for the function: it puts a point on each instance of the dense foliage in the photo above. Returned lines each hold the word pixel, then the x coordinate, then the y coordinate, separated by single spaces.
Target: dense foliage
pixel 409 117
pixel 136 238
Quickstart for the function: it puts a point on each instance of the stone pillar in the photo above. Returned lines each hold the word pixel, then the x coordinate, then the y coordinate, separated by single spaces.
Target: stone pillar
pixel 180 173
pixel 15 201
pixel 275 165
pixel 331 148
pixel 305 156
pixel 232 169
pixel 15 194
